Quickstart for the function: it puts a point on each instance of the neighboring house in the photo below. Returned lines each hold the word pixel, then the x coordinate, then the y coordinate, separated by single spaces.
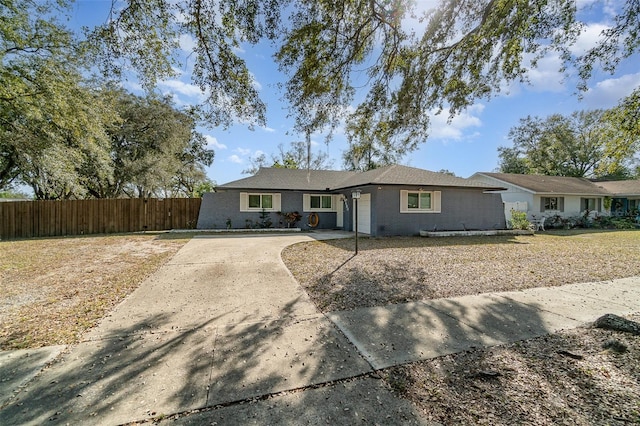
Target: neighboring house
pixel 540 195
pixel 625 196
pixel 394 200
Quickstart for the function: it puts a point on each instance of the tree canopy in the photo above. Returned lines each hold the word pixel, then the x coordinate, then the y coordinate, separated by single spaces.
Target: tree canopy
pixel 46 108
pixel 67 135
pixel 584 144
pixel 155 150
pixel 408 62
pixel 382 66
pixel 298 156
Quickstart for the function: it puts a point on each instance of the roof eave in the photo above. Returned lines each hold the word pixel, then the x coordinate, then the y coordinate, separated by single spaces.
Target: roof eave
pixel 584 194
pixel 484 188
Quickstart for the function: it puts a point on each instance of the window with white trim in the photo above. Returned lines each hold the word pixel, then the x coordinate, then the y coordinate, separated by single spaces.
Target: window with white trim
pixel 259 201
pixel 419 201
pixel 318 202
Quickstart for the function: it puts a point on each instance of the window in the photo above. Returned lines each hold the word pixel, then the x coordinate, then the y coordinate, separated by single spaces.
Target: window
pixel 320 201
pixel 591 204
pixel 551 204
pixel 260 201
pixel 257 202
pixel 420 201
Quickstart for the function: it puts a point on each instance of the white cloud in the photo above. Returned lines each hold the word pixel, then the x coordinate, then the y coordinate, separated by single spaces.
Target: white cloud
pixel 244 154
pixel 608 8
pixel 133 86
pixel 269 129
pixel 212 142
pixel 587 39
pixel 187 43
pixel 421 7
pixel 455 130
pixel 254 82
pixel 546 76
pixel 235 159
pixel 607 93
pixel 180 87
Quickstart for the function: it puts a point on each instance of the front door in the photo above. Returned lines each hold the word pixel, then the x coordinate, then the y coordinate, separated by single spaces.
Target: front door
pixel 364 213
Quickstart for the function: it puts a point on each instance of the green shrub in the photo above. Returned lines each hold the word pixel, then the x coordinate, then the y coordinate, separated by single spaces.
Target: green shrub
pixel 623 223
pixel 519 220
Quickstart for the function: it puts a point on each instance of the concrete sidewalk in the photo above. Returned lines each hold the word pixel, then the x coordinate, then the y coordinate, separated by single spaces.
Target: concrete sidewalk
pixel 397 334
pixel 223 327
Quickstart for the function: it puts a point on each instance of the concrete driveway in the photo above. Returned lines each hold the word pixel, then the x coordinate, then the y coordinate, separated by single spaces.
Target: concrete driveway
pixel 222 323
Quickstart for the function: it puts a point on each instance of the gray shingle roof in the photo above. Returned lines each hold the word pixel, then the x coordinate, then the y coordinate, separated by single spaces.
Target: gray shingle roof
pixel 621 187
pixel 320 180
pixel 271 178
pixel 551 184
pixel 404 175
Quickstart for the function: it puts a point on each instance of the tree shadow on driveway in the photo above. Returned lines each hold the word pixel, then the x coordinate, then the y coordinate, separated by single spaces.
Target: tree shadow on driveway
pixel 387 337
pixel 282 368
pixel 119 379
pixel 140 372
pixel 397 334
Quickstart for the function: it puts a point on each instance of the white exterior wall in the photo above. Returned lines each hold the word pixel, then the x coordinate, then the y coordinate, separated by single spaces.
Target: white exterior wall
pixel 572 205
pixel 515 194
pixel 511 196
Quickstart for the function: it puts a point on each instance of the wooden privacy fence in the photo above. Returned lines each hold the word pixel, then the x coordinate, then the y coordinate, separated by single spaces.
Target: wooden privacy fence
pixel 26 219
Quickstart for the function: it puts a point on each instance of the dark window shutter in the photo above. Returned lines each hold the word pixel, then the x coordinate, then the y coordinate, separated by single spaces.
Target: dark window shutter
pixel 561 204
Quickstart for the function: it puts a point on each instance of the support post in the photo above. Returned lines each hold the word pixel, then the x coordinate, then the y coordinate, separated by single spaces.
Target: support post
pixel 356 213
pixel 356 196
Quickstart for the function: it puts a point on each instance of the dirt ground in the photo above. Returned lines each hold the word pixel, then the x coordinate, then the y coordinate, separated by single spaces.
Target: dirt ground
pixel 55 289
pixel 584 377
pixel 399 270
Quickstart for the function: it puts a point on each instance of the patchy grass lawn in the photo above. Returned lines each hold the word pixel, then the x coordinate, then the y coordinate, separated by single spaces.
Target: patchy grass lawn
pixel 398 270
pixel 52 290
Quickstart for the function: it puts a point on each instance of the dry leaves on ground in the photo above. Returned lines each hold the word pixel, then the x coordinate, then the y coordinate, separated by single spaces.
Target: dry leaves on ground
pixel 403 269
pixel 567 378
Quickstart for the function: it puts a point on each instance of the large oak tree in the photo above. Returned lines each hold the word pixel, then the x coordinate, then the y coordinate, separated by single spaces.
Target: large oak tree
pixel 48 125
pixel 67 135
pixel 584 144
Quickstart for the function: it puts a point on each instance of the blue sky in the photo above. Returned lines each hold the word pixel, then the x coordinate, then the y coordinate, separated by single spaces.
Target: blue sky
pixel 466 145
